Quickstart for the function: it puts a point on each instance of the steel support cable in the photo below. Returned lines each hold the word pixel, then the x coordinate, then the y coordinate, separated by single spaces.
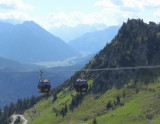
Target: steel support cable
pixel 100 69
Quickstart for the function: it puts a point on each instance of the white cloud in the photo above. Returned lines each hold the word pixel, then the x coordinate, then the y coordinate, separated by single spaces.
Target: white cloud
pixel 114 13
pixel 14 4
pixel 109 12
pixel 19 17
pixel 13 11
pixel 157 13
pixel 137 4
pixel 58 19
pixel 141 4
pixel 75 18
pixel 106 3
pixel 120 10
pixel 15 15
pixel 133 3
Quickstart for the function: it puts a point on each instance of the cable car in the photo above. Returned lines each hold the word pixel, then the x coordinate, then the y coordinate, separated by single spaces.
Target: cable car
pixel 81 85
pixel 44 85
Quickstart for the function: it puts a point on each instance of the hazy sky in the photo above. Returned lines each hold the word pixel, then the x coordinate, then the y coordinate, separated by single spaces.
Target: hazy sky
pixel 49 13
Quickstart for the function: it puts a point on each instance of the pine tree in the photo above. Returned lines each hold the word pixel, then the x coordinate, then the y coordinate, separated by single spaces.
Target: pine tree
pixel 55 97
pixel 73 103
pixel 124 94
pixel 0 111
pixel 6 111
pixel 115 103
pixel 94 121
pixel 65 109
pixel 62 112
pixel 118 100
pixel 109 105
pixel 11 108
pixel 24 104
pixel 33 100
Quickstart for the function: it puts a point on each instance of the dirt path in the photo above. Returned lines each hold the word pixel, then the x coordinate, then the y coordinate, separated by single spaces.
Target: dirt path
pixel 22 117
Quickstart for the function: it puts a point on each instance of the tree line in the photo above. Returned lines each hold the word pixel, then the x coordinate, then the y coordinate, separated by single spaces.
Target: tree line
pixel 17 108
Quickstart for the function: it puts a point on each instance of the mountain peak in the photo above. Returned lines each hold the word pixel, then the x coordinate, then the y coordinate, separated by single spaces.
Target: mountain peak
pixel 21 43
pixel 29 22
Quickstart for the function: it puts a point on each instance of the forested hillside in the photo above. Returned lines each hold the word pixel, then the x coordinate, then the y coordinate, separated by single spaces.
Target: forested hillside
pixel 136 44
pixel 117 96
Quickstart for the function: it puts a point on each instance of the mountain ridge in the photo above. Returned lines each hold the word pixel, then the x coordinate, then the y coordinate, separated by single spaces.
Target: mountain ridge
pixel 67 33
pixel 6 64
pixel 27 42
pixel 92 42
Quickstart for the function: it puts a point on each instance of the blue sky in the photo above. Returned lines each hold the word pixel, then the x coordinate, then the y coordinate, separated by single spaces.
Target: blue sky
pixel 50 13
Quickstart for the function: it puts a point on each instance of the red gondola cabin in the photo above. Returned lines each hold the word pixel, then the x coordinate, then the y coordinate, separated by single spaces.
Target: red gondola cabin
pixel 81 85
pixel 44 86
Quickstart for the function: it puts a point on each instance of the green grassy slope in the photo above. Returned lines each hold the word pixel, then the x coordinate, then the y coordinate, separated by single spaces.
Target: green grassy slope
pixel 140 106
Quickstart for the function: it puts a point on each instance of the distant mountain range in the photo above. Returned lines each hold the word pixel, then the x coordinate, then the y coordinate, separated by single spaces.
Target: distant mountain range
pixel 67 33
pixel 92 42
pixel 7 64
pixel 28 42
